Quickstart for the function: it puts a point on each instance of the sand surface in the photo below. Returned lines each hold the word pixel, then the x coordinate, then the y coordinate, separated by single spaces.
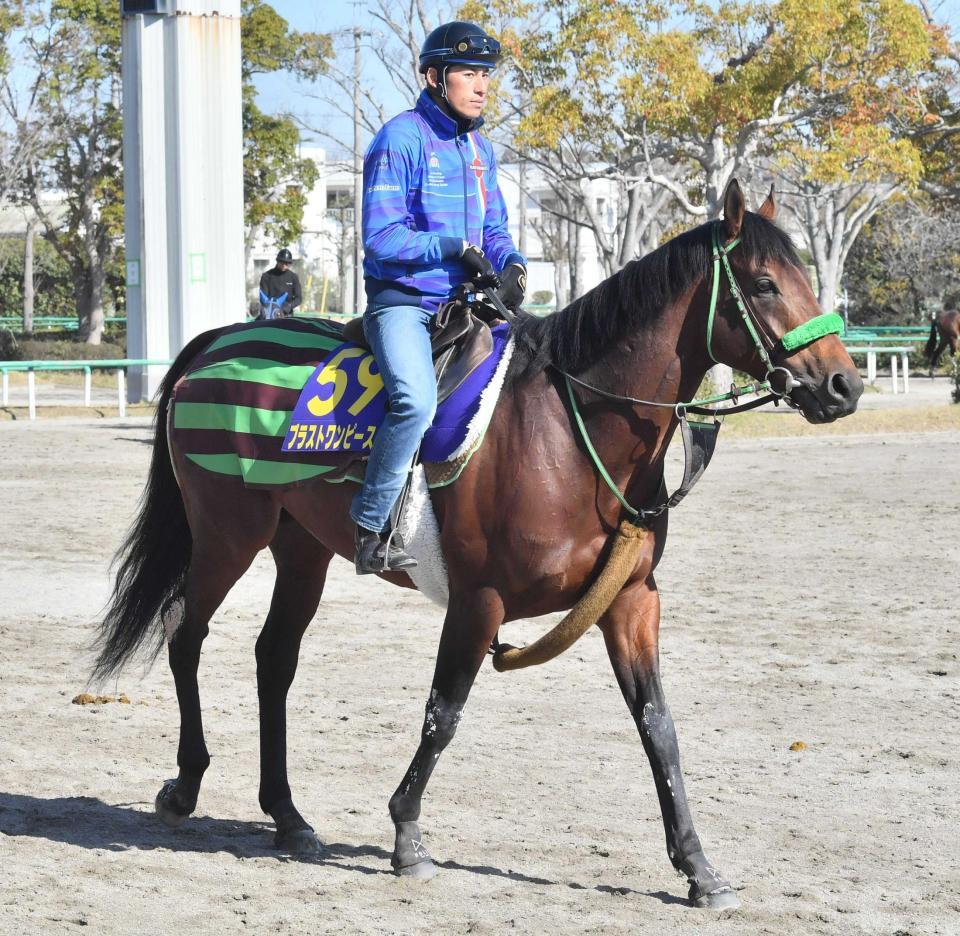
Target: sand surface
pixel 810 594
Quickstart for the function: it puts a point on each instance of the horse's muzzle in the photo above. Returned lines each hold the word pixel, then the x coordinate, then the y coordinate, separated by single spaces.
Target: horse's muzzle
pixel 831 398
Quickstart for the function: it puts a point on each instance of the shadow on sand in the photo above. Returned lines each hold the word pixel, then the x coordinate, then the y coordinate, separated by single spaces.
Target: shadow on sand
pixel 86 822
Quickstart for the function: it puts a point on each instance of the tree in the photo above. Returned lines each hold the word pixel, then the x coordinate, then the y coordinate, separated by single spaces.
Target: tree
pixel 906 263
pixel 557 109
pixel 77 63
pixel 940 136
pixel 276 180
pixel 19 132
pixel 843 168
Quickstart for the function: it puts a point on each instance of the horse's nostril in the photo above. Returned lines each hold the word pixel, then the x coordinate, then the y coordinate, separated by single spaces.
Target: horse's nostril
pixel 840 386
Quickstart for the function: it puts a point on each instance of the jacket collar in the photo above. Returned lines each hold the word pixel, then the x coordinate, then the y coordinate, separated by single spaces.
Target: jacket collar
pixel 442 122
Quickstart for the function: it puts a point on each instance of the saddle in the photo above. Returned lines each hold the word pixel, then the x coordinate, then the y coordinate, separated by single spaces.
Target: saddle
pixel 459 338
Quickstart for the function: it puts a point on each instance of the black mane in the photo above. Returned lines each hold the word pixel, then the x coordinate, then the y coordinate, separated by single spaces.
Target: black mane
pixel 578 335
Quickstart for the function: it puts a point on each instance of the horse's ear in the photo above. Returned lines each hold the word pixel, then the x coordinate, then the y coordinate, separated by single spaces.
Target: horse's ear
pixel 769 208
pixel 734 207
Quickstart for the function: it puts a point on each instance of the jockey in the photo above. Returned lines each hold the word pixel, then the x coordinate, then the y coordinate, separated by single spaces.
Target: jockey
pixel 433 218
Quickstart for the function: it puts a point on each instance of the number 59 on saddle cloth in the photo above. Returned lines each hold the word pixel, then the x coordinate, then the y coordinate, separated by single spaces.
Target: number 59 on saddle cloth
pixel 344 402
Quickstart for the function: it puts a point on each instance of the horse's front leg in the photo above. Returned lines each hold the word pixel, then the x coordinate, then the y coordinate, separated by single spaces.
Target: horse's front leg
pixel 631 629
pixel 470 625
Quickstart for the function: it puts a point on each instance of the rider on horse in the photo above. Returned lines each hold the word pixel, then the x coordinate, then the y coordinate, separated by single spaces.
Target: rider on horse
pixel 433 217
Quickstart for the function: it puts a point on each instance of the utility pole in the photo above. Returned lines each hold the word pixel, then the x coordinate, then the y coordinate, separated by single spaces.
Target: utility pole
pixel 358 300
pixel 522 214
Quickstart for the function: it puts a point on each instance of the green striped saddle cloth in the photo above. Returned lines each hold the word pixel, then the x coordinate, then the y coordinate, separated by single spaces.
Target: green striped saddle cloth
pixel 231 410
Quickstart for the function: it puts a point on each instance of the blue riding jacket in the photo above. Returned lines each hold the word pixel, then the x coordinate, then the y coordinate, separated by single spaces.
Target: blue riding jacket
pixel 429 184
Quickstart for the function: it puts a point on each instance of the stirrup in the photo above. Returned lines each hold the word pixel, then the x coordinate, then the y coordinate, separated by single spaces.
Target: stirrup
pixel 373 554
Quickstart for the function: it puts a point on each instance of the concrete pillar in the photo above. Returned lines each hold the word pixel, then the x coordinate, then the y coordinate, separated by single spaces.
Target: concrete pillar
pixel 183 176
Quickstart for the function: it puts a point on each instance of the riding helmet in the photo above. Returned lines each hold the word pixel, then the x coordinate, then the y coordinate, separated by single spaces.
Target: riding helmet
pixel 459 43
pixel 284 256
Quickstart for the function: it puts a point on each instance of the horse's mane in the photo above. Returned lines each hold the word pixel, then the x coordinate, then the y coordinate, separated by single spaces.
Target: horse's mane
pixel 580 334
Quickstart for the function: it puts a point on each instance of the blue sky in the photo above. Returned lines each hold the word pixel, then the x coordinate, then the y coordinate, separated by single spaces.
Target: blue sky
pixel 281 93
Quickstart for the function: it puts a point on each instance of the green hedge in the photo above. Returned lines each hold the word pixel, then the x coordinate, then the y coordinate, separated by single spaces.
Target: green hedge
pixel 56 346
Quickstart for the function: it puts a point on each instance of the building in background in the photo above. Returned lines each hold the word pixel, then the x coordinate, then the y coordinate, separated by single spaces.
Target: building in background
pixel 324 251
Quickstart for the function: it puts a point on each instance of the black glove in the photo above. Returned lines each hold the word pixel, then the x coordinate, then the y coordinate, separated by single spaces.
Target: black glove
pixel 513 284
pixel 479 267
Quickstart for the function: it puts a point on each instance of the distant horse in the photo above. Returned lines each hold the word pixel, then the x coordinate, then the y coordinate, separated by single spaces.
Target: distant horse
pixel 524 530
pixel 944 333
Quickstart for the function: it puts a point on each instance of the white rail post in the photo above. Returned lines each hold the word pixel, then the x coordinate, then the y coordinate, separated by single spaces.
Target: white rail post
pixel 121 392
pixel 31 395
pixel 906 372
pixel 871 367
pixel 893 372
pixel 6 388
pixel 86 386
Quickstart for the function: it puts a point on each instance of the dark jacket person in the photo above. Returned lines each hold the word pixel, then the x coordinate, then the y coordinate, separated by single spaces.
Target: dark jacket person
pixel 281 280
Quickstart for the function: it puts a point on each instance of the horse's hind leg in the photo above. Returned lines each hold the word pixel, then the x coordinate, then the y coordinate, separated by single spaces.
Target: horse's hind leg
pixel 301 572
pixel 223 548
pixel 631 629
pixel 935 359
pixel 467 631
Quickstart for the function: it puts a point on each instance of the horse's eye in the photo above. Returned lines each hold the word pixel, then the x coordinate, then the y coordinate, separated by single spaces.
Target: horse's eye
pixel 765 286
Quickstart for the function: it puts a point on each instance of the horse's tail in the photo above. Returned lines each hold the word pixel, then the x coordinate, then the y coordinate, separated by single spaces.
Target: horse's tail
pixel 931 344
pixel 154 557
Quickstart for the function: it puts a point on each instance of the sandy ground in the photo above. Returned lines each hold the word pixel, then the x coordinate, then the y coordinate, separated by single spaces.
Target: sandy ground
pixel 809 592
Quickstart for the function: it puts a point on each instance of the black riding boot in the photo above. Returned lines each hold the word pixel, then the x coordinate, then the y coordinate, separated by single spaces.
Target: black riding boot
pixel 371 553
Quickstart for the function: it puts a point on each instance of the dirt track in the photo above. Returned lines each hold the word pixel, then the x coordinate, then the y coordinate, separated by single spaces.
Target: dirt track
pixel 809 592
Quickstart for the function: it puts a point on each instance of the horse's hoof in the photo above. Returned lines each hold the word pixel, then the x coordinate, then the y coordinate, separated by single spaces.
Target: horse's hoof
pixel 303 842
pixel 724 898
pixel 166 806
pixel 421 871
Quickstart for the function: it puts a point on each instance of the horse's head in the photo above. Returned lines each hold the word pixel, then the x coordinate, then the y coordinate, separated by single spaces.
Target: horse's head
pixel 775 329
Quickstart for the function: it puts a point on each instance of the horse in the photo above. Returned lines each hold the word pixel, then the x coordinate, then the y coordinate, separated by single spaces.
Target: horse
pixel 525 529
pixel 944 333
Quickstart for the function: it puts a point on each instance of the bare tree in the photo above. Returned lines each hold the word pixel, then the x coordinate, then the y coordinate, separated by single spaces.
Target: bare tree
pixel 831 216
pixel 906 263
pixel 391 35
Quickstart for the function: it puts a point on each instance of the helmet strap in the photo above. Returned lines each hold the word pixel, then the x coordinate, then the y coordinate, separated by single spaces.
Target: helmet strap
pixel 439 94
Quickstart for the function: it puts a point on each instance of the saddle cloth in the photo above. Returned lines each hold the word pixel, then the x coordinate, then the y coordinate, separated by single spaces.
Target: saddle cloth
pixel 233 410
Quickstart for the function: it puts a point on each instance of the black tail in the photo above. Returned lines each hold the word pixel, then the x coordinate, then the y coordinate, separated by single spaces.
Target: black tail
pixel 931 344
pixel 154 557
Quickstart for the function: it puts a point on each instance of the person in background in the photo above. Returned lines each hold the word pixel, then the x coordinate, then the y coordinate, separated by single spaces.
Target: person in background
pixel 282 281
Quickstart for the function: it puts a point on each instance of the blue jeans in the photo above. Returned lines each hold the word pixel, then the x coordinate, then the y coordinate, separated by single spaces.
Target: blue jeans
pixel 400 339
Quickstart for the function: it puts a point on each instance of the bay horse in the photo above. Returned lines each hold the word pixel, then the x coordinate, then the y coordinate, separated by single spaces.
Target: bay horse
pixel 524 530
pixel 944 333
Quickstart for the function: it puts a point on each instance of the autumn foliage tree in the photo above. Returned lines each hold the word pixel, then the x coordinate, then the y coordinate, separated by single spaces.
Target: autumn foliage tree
pixel 685 95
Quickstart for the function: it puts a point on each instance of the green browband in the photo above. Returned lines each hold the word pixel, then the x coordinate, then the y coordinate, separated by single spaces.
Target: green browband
pixel 829 323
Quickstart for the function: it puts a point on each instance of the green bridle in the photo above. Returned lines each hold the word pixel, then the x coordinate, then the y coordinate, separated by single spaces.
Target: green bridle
pixel 700 438
pixel 827 323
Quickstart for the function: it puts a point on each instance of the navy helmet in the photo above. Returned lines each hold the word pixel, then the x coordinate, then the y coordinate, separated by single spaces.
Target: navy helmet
pixel 284 256
pixel 459 43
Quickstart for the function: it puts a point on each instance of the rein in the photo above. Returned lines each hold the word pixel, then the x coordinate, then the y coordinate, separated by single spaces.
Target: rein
pixel 700 438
